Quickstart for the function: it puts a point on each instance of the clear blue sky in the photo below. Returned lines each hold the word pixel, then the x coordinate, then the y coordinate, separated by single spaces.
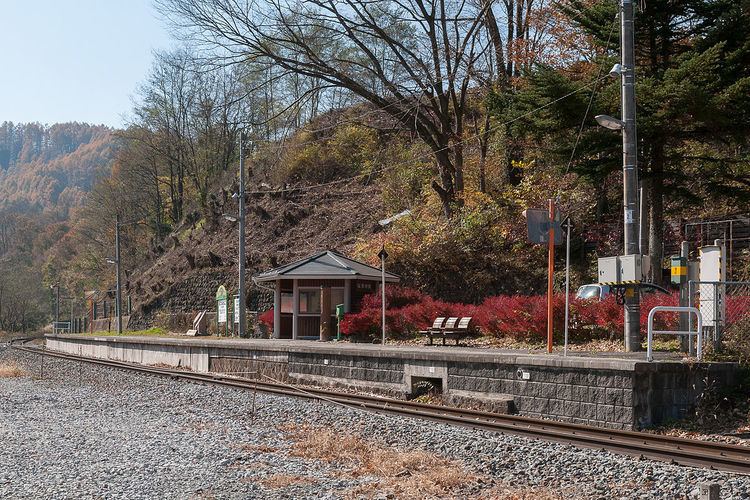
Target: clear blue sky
pixel 75 60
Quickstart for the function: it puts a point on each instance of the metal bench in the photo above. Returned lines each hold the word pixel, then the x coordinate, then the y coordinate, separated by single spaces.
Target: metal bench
pixel 454 328
pixel 436 328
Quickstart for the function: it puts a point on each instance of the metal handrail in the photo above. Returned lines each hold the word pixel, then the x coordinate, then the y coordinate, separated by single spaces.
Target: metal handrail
pixel 651 331
pixel 61 326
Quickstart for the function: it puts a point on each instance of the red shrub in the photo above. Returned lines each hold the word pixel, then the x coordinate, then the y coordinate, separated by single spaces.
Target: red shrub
pixel 662 320
pixel 267 318
pixel 519 317
pixel 737 308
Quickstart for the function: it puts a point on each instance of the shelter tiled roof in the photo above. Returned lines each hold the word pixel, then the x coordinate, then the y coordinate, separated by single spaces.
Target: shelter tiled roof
pixel 325 265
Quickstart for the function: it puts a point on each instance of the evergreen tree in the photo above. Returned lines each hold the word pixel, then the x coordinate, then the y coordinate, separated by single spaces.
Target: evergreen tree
pixel 693 98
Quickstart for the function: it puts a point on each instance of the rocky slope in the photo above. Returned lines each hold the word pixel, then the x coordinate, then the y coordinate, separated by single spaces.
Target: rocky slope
pixel 281 227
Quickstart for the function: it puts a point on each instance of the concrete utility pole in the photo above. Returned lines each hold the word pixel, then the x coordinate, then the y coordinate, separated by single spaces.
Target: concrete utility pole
pixel 242 328
pixel 118 290
pixel 630 170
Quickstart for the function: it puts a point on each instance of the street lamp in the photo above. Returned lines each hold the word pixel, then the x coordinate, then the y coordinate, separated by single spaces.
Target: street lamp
pixel 116 262
pixel 625 70
pixel 616 71
pixel 609 122
pixel 384 255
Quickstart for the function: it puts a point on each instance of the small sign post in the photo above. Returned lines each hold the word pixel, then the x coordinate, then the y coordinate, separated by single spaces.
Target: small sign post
pixel 236 310
pixel 544 228
pixel 221 309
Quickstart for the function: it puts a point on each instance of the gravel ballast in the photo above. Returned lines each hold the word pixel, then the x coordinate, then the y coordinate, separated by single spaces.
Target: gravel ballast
pixel 89 431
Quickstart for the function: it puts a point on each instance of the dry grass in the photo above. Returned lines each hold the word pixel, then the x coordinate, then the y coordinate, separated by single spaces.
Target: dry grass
pixel 279 481
pixel 258 448
pixel 11 370
pixel 405 474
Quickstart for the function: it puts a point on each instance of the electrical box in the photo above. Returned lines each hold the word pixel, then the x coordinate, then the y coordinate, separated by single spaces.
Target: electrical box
pixel 623 269
pixel 693 270
pixel 633 268
pixel 679 269
pixel 609 270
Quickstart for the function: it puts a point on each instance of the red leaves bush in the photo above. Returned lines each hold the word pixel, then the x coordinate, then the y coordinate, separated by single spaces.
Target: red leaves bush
pixel 267 318
pixel 519 317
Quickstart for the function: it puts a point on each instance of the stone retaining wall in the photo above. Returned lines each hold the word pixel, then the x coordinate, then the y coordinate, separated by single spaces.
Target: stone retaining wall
pixel 607 392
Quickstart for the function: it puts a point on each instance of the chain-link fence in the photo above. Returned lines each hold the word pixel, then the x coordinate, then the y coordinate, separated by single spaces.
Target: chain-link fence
pixel 725 308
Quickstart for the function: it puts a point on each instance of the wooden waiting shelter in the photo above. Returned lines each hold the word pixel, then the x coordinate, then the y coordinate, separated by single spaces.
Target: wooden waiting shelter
pixel 318 283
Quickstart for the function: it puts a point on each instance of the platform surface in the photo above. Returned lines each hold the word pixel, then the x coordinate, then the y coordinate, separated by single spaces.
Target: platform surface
pixel 592 360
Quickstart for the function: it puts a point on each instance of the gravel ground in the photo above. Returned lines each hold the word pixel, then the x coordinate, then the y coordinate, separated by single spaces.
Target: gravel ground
pixel 85 431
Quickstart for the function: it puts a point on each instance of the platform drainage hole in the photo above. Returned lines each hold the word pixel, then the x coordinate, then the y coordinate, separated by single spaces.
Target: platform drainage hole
pixel 426 388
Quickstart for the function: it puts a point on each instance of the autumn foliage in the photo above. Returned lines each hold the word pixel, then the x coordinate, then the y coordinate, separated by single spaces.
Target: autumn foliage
pixel 519 317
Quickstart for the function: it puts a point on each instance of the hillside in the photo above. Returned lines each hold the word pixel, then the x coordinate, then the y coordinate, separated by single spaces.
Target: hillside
pixel 46 173
pixel 279 229
pixel 51 168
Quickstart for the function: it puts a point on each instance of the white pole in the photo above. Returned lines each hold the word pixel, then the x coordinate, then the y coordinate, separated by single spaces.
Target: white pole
pixel 382 289
pixel 567 286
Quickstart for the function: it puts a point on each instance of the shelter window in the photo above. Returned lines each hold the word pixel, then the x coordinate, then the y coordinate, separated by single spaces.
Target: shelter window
pixel 309 301
pixel 287 302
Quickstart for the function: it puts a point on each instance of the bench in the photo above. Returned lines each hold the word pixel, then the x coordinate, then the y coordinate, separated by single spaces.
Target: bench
pixel 435 329
pixel 452 328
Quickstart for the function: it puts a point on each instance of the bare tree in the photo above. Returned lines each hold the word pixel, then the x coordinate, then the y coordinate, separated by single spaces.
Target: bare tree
pixel 416 60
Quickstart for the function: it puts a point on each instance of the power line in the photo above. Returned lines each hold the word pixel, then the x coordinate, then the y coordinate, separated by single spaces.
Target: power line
pixel 591 99
pixel 432 153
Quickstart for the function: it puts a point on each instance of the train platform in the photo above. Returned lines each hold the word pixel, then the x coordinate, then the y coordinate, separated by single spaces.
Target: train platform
pixel 617 390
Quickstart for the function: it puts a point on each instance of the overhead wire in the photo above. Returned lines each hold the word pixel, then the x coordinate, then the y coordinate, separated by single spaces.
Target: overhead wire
pixel 591 98
pixel 432 152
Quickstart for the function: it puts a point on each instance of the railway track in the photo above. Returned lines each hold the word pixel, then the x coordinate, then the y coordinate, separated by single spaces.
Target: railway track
pixel 687 452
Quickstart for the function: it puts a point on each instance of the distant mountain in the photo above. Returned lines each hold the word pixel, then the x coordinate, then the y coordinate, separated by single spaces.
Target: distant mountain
pixel 51 168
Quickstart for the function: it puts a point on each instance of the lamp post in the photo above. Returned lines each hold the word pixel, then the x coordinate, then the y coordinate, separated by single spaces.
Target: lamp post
pixel 384 255
pixel 567 225
pixel 626 72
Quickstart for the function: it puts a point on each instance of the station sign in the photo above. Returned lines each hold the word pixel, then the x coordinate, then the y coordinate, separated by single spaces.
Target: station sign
pixel 221 305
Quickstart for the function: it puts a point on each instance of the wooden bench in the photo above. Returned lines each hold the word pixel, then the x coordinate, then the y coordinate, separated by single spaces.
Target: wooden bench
pixel 453 328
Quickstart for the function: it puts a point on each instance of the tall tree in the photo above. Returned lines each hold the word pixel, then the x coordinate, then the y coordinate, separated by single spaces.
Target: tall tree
pixel 415 60
pixel 692 87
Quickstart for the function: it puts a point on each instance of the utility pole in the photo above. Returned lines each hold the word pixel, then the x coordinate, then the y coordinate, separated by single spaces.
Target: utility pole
pixel 118 290
pixel 630 170
pixel 241 253
pixel 57 307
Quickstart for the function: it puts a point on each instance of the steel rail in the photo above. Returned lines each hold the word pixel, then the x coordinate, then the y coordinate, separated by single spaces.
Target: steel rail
pixel 681 451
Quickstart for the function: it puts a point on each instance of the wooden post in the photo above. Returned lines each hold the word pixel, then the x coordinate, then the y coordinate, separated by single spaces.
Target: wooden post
pixel 550 272
pixel 325 313
pixel 295 309
pixel 277 311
